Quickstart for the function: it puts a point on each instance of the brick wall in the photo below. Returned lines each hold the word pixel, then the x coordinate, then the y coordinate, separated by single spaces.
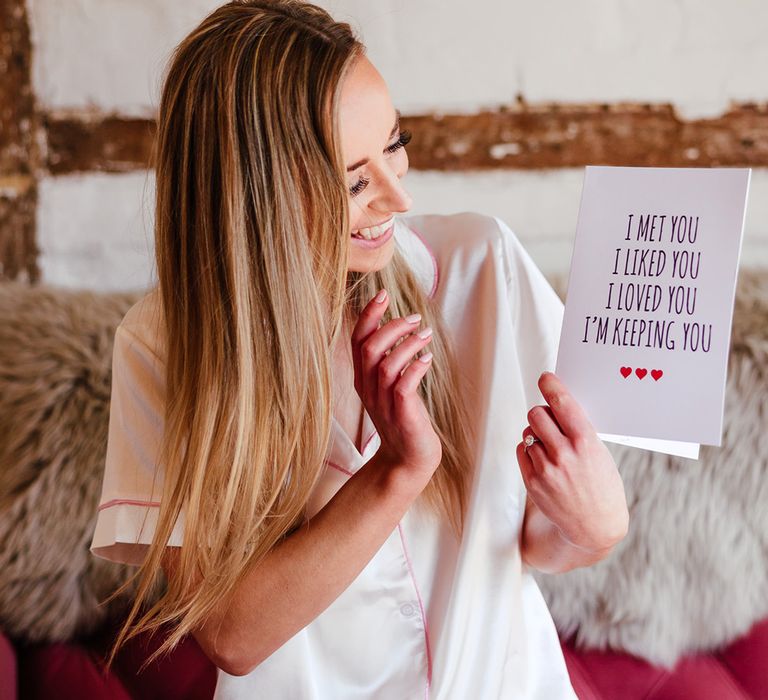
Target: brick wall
pixel 506 106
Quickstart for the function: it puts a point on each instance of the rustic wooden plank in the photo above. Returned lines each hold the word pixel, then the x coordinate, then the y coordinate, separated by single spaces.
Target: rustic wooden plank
pixel 16 99
pixel 557 136
pixel 89 142
pixel 18 248
pixel 515 137
pixel 18 150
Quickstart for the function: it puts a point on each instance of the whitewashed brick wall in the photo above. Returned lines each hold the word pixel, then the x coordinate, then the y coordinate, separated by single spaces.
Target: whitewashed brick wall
pixel 96 230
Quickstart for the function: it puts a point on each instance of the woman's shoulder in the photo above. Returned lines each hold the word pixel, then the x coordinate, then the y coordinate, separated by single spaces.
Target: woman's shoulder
pixel 465 244
pixel 445 234
pixel 143 322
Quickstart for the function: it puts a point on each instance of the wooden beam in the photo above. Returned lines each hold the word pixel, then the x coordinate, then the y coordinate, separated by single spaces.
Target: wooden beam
pixel 522 136
pixel 90 142
pixel 568 136
pixel 18 247
pixel 18 150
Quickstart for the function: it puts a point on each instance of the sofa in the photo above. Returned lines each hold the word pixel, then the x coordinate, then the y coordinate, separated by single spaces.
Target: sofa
pixel 677 616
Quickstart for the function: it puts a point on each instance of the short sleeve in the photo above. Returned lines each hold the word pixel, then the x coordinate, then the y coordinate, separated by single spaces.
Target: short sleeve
pixel 132 481
pixel 537 314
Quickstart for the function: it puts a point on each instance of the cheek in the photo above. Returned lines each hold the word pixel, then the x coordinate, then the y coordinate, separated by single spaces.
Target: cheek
pixel 405 159
pixel 399 164
pixel 357 207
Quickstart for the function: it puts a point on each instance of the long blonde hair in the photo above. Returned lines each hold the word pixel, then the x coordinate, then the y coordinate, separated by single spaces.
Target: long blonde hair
pixel 252 258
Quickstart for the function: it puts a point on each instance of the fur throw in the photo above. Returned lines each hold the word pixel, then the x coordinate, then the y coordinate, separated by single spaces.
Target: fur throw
pixel 55 381
pixel 692 573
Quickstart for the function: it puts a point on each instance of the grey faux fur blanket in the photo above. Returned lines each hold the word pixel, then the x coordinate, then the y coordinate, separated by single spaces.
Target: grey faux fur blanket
pixel 55 380
pixel 692 573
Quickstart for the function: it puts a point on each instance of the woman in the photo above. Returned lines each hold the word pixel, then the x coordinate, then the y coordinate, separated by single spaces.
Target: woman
pixel 336 510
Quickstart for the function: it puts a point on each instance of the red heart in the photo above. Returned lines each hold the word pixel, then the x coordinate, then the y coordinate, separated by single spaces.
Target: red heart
pixel 656 374
pixel 641 372
pixel 625 371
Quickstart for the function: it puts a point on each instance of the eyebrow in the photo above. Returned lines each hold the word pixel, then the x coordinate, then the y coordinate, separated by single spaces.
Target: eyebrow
pixel 359 163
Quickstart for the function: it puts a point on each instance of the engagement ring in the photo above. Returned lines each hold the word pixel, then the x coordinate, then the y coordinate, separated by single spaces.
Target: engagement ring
pixel 529 440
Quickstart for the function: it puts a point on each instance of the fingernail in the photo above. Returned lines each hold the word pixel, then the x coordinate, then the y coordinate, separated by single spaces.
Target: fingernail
pixel 425 332
pixel 381 296
pixel 425 357
pixel 413 318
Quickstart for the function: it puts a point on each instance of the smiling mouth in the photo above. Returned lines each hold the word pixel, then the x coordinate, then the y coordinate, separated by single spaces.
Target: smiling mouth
pixel 374 232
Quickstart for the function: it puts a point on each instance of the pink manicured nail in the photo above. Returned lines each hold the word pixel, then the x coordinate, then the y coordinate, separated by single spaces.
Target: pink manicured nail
pixel 425 332
pixel 425 358
pixel 381 296
pixel 413 318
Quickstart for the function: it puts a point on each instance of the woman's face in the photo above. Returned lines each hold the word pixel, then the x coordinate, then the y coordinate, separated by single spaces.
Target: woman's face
pixel 376 160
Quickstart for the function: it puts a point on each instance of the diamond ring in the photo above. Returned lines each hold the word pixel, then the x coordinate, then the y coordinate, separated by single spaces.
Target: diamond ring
pixel 529 440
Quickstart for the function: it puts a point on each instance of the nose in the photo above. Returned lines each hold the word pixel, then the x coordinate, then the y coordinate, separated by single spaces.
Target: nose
pixel 392 195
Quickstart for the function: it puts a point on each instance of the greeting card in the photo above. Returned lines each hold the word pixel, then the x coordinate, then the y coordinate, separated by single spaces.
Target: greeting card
pixel 648 310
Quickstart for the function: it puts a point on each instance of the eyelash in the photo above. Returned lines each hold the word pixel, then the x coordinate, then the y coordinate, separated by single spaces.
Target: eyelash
pixel 403 139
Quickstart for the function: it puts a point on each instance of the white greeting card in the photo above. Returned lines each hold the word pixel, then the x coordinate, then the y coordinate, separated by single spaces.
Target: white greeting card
pixel 647 322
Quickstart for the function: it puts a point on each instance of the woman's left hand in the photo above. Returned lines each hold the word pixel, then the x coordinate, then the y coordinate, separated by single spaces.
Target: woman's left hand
pixel 570 475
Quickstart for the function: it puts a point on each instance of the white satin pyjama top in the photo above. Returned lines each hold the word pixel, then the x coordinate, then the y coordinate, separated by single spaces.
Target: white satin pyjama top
pixel 426 618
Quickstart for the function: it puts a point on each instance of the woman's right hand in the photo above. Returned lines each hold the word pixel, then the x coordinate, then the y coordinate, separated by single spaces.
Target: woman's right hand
pixel 408 438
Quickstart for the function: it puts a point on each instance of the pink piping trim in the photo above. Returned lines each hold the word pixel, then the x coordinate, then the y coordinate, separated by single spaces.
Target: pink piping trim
pixel 127 502
pixel 423 616
pixel 130 502
pixel 365 447
pixel 365 444
pixel 336 466
pixel 434 261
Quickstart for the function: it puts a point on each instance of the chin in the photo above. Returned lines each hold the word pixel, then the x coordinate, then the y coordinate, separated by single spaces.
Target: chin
pixel 371 261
